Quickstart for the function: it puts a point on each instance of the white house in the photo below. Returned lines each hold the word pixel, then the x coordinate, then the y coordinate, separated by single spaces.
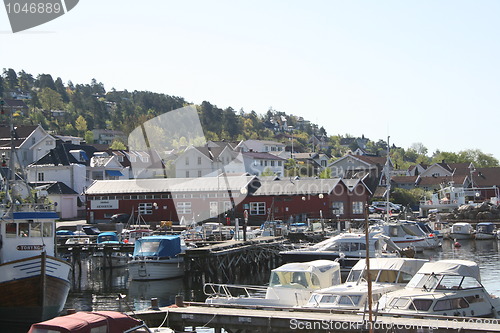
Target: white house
pixel 257 163
pixel 262 146
pixel 30 142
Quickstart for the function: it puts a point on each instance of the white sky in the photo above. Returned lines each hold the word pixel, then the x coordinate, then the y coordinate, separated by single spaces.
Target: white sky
pixel 419 71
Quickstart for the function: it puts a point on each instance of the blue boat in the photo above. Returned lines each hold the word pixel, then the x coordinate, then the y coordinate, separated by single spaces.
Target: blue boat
pixel 157 258
pixel 485 230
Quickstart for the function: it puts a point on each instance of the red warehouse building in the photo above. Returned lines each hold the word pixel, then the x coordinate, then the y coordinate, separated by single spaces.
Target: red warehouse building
pixel 201 199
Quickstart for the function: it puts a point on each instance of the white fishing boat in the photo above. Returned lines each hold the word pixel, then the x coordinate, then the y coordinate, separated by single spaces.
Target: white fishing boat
pixel 348 248
pixel 290 285
pixel 157 258
pixel 462 230
pixel 408 234
pixel 386 274
pixel 34 284
pixel 445 287
pixel 485 230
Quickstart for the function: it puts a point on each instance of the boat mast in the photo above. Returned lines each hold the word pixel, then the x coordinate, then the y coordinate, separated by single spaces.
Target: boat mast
pixel 387 184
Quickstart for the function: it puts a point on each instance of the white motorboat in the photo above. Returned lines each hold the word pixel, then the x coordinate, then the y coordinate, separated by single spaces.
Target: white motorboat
pixel 462 230
pixel 157 258
pixel 445 287
pixel 386 274
pixel 407 234
pixel 348 248
pixel 290 285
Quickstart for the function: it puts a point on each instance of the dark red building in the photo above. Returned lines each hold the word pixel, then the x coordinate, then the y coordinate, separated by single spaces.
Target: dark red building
pixel 201 199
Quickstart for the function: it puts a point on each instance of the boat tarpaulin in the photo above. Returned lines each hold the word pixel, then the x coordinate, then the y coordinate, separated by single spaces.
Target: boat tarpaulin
pixel 158 246
pixel 452 267
pixel 87 322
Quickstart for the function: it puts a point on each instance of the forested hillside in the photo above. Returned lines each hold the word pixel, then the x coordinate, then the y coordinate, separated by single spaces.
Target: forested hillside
pixel 76 109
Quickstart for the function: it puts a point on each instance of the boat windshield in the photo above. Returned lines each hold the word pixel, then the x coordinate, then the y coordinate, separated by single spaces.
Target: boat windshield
pixel 349 300
pixel 383 276
pixel 294 280
pixel 424 281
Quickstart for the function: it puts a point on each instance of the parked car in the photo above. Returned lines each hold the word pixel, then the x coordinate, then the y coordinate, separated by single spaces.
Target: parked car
pixel 381 207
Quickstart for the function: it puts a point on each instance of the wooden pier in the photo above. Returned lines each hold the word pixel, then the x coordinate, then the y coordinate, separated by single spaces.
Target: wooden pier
pixel 227 261
pixel 278 320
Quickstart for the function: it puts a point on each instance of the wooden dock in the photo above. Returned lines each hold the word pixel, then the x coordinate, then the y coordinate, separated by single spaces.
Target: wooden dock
pixel 227 261
pixel 274 320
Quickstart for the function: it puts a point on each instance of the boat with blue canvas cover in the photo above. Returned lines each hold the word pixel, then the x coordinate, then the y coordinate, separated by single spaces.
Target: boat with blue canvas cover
pixel 485 230
pixel 157 257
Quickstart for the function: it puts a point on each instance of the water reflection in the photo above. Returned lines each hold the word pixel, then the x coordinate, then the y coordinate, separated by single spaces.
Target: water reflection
pixel 141 292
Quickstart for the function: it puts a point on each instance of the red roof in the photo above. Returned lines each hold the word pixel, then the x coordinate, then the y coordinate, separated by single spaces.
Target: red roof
pixel 84 322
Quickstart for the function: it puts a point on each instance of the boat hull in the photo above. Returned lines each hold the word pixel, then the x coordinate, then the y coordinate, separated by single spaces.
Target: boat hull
pixel 455 235
pixel 33 296
pixel 142 270
pixel 483 236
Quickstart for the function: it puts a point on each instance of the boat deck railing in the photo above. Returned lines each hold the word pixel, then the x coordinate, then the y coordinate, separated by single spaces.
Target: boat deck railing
pixel 233 291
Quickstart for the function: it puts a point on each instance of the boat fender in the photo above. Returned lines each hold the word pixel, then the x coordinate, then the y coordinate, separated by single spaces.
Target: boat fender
pixel 1 241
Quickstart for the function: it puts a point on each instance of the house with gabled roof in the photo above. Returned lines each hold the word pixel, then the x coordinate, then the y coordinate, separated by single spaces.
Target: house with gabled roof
pixel 65 200
pixel 317 161
pixel 31 142
pixel 261 146
pixel 441 169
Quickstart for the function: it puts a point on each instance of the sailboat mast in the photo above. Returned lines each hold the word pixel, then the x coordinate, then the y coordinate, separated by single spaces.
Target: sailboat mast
pixel 387 183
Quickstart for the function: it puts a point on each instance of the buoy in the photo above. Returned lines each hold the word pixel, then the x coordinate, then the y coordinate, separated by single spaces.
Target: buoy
pixel 457 244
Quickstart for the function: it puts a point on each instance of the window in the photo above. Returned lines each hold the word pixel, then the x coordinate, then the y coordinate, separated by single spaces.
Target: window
pixel 187 160
pixel 184 208
pixel 187 174
pixel 421 304
pixel 199 173
pixel 24 229
pixel 145 208
pixel 280 163
pixel 357 207
pixel 36 229
pixel 338 207
pixel 11 230
pixel 272 163
pixel 47 229
pixel 41 177
pixel 257 208
pixel 199 160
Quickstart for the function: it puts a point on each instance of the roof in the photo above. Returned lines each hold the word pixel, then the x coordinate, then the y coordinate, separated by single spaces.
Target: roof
pixel 159 185
pixel 60 155
pixel 485 177
pixel 404 179
pixel 435 181
pixel 406 265
pixel 20 135
pixel 18 103
pixel 296 186
pixel 263 156
pixel 452 267
pixel 55 187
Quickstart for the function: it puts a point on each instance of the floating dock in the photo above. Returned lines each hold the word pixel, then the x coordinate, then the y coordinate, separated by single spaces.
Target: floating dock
pixel 278 320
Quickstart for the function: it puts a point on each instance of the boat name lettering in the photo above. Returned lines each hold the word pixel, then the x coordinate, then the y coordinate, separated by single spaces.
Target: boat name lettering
pixel 29 247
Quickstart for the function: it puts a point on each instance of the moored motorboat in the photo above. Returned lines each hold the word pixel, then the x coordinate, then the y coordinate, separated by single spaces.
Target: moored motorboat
pixel 485 230
pixel 462 230
pixel 386 274
pixel 348 248
pixel 157 258
pixel 290 285
pixel 445 287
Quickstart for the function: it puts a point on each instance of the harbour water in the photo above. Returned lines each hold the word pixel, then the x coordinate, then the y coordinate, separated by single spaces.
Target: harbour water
pixel 112 290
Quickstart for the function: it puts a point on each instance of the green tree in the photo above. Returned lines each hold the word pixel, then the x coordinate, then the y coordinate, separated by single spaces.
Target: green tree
pixel 326 173
pixel 81 125
pixel 10 78
pixel 118 145
pixel 267 172
pixel 50 99
pixel 89 137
